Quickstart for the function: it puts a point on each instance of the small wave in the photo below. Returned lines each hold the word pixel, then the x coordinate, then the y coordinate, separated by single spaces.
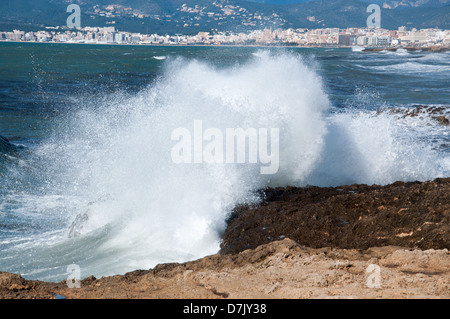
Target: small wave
pixel 4 144
pixel 401 52
pixel 261 54
pixel 408 67
pixel 443 58
pixel 380 147
pixel 162 57
pixel 6 147
pixel 357 49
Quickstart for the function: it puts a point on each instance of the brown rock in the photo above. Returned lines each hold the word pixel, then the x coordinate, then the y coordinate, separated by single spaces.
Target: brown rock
pixel 280 269
pixel 412 215
pixel 442 120
pixel 331 237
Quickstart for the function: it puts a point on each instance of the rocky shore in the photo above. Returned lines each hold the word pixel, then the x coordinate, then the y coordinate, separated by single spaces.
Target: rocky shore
pixel 355 241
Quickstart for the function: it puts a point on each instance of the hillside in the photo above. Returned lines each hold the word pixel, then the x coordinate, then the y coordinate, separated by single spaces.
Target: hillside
pixel 191 16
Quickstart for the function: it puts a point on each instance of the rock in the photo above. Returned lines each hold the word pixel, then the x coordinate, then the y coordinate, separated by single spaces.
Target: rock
pixel 411 215
pixel 442 120
pixel 16 287
pixel 280 269
pixel 9 280
pixel 5 145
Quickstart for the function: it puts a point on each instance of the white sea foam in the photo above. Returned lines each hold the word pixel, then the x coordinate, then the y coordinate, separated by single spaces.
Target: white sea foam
pixel 160 211
pixel 399 52
pixel 373 147
pixel 357 48
pixel 442 57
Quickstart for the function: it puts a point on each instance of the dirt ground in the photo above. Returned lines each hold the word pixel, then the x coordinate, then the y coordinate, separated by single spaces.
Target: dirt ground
pixel 355 241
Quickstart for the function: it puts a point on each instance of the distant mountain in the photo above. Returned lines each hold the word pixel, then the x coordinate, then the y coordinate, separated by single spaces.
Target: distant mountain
pixel 191 16
pixel 393 4
pixel 347 13
pixel 388 4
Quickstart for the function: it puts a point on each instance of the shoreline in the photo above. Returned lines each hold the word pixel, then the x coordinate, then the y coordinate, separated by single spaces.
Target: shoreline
pixel 429 48
pixel 185 45
pixel 300 242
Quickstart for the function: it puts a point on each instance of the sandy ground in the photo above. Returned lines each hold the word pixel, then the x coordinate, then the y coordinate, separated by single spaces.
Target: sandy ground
pixel 281 269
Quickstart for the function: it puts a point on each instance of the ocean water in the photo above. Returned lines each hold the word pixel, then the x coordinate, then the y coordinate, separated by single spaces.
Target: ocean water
pixel 86 174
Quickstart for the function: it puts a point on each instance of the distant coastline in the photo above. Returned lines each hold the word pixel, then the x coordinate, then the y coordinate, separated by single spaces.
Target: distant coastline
pixel 378 38
pixel 187 45
pixel 429 48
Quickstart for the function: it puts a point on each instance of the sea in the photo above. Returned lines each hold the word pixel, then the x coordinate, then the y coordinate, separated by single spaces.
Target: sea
pixel 87 175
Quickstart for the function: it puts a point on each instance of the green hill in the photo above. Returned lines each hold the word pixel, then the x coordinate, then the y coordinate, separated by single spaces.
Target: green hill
pixel 191 16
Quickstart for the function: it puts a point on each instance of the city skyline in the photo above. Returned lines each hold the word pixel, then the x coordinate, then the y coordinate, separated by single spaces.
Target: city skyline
pixel 376 37
pixel 191 17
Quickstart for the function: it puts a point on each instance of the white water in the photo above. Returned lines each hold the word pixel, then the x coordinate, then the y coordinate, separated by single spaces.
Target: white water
pixel 357 48
pixel 117 154
pixel 413 67
pixel 113 160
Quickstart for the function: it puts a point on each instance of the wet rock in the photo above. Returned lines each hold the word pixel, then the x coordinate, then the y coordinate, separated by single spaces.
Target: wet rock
pixel 442 120
pixel 5 145
pixel 411 215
